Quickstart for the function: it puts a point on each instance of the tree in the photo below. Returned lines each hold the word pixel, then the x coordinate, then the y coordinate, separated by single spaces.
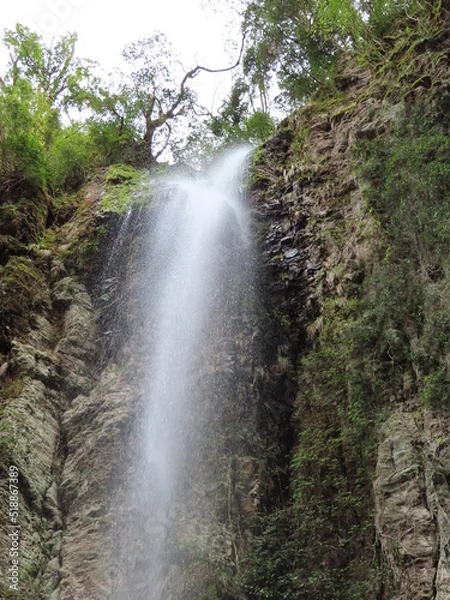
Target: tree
pixel 297 42
pixel 22 153
pixel 157 92
pixel 236 121
pixel 39 83
pixel 62 80
pixel 145 109
pixel 141 110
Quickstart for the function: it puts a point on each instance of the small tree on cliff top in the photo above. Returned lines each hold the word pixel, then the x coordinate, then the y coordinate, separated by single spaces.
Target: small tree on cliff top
pixel 155 95
pixel 157 92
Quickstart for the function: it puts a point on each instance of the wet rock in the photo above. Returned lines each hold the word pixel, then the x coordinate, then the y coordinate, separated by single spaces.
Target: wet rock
pixel 51 577
pixel 9 245
pixel 292 253
pixel 52 506
pixel 94 427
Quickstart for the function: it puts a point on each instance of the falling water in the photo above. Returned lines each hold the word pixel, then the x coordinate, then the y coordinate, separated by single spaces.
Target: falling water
pixel 197 247
pixel 188 242
pixel 117 245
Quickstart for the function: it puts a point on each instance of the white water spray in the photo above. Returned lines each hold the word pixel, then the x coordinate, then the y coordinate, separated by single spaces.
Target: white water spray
pixel 188 241
pixel 200 236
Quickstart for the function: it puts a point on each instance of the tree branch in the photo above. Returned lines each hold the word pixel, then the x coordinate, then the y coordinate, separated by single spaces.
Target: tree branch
pixel 166 143
pixel 193 73
pixel 201 68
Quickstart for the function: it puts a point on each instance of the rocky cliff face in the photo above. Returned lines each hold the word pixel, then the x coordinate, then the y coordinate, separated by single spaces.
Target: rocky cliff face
pixel 342 192
pixel 74 368
pixel 322 461
pixel 49 345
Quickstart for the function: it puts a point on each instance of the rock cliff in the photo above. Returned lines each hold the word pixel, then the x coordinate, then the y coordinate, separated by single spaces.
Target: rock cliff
pixel 74 369
pixel 351 195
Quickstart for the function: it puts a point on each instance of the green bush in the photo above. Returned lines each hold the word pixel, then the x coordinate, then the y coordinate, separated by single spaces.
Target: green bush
pixel 69 158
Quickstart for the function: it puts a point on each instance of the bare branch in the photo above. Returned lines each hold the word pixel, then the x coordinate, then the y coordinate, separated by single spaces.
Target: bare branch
pixel 178 100
pixel 193 73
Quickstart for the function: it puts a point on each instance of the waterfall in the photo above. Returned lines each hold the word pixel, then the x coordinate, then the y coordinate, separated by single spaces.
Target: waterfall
pixel 197 262
pixel 117 245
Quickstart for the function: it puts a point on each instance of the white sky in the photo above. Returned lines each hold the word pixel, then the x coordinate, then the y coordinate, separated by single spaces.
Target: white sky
pixel 198 35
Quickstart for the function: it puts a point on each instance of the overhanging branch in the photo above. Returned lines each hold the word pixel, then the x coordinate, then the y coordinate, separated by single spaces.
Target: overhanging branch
pixel 176 107
pixel 194 72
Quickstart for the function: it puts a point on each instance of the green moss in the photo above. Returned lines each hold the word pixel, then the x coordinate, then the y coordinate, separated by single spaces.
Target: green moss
pixel 282 319
pixel 436 387
pixel 125 187
pixel 120 173
pixel 24 218
pixel 22 278
pixel 10 389
pixel 23 288
pixel 260 175
pixel 298 143
pixel 211 594
pixel 49 239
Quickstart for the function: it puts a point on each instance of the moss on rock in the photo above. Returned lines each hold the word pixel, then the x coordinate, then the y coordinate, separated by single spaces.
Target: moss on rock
pixel 124 187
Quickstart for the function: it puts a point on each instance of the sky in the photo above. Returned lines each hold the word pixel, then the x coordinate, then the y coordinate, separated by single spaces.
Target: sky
pixel 199 34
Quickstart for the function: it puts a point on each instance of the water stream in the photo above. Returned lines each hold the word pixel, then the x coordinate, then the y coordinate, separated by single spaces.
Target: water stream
pixel 196 257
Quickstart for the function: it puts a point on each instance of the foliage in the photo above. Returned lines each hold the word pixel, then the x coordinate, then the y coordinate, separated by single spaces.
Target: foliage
pixel 387 340
pixel 319 544
pixel 61 78
pixel 70 158
pixel 413 168
pixel 36 150
pixel 296 42
pixel 198 148
pixel 408 175
pixel 120 173
pixel 283 41
pixel 135 119
pixel 236 122
pixel 22 153
pixel 286 564
pixel 44 87
pixel 142 110
pixel 112 130
pixel 383 14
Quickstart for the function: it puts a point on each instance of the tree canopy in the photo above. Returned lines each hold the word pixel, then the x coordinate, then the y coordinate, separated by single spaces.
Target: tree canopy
pixel 149 100
pixel 58 119
pixel 296 42
pixel 54 71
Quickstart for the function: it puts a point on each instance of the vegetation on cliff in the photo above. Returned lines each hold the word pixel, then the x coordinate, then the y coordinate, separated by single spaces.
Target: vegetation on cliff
pixel 60 121
pixel 367 166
